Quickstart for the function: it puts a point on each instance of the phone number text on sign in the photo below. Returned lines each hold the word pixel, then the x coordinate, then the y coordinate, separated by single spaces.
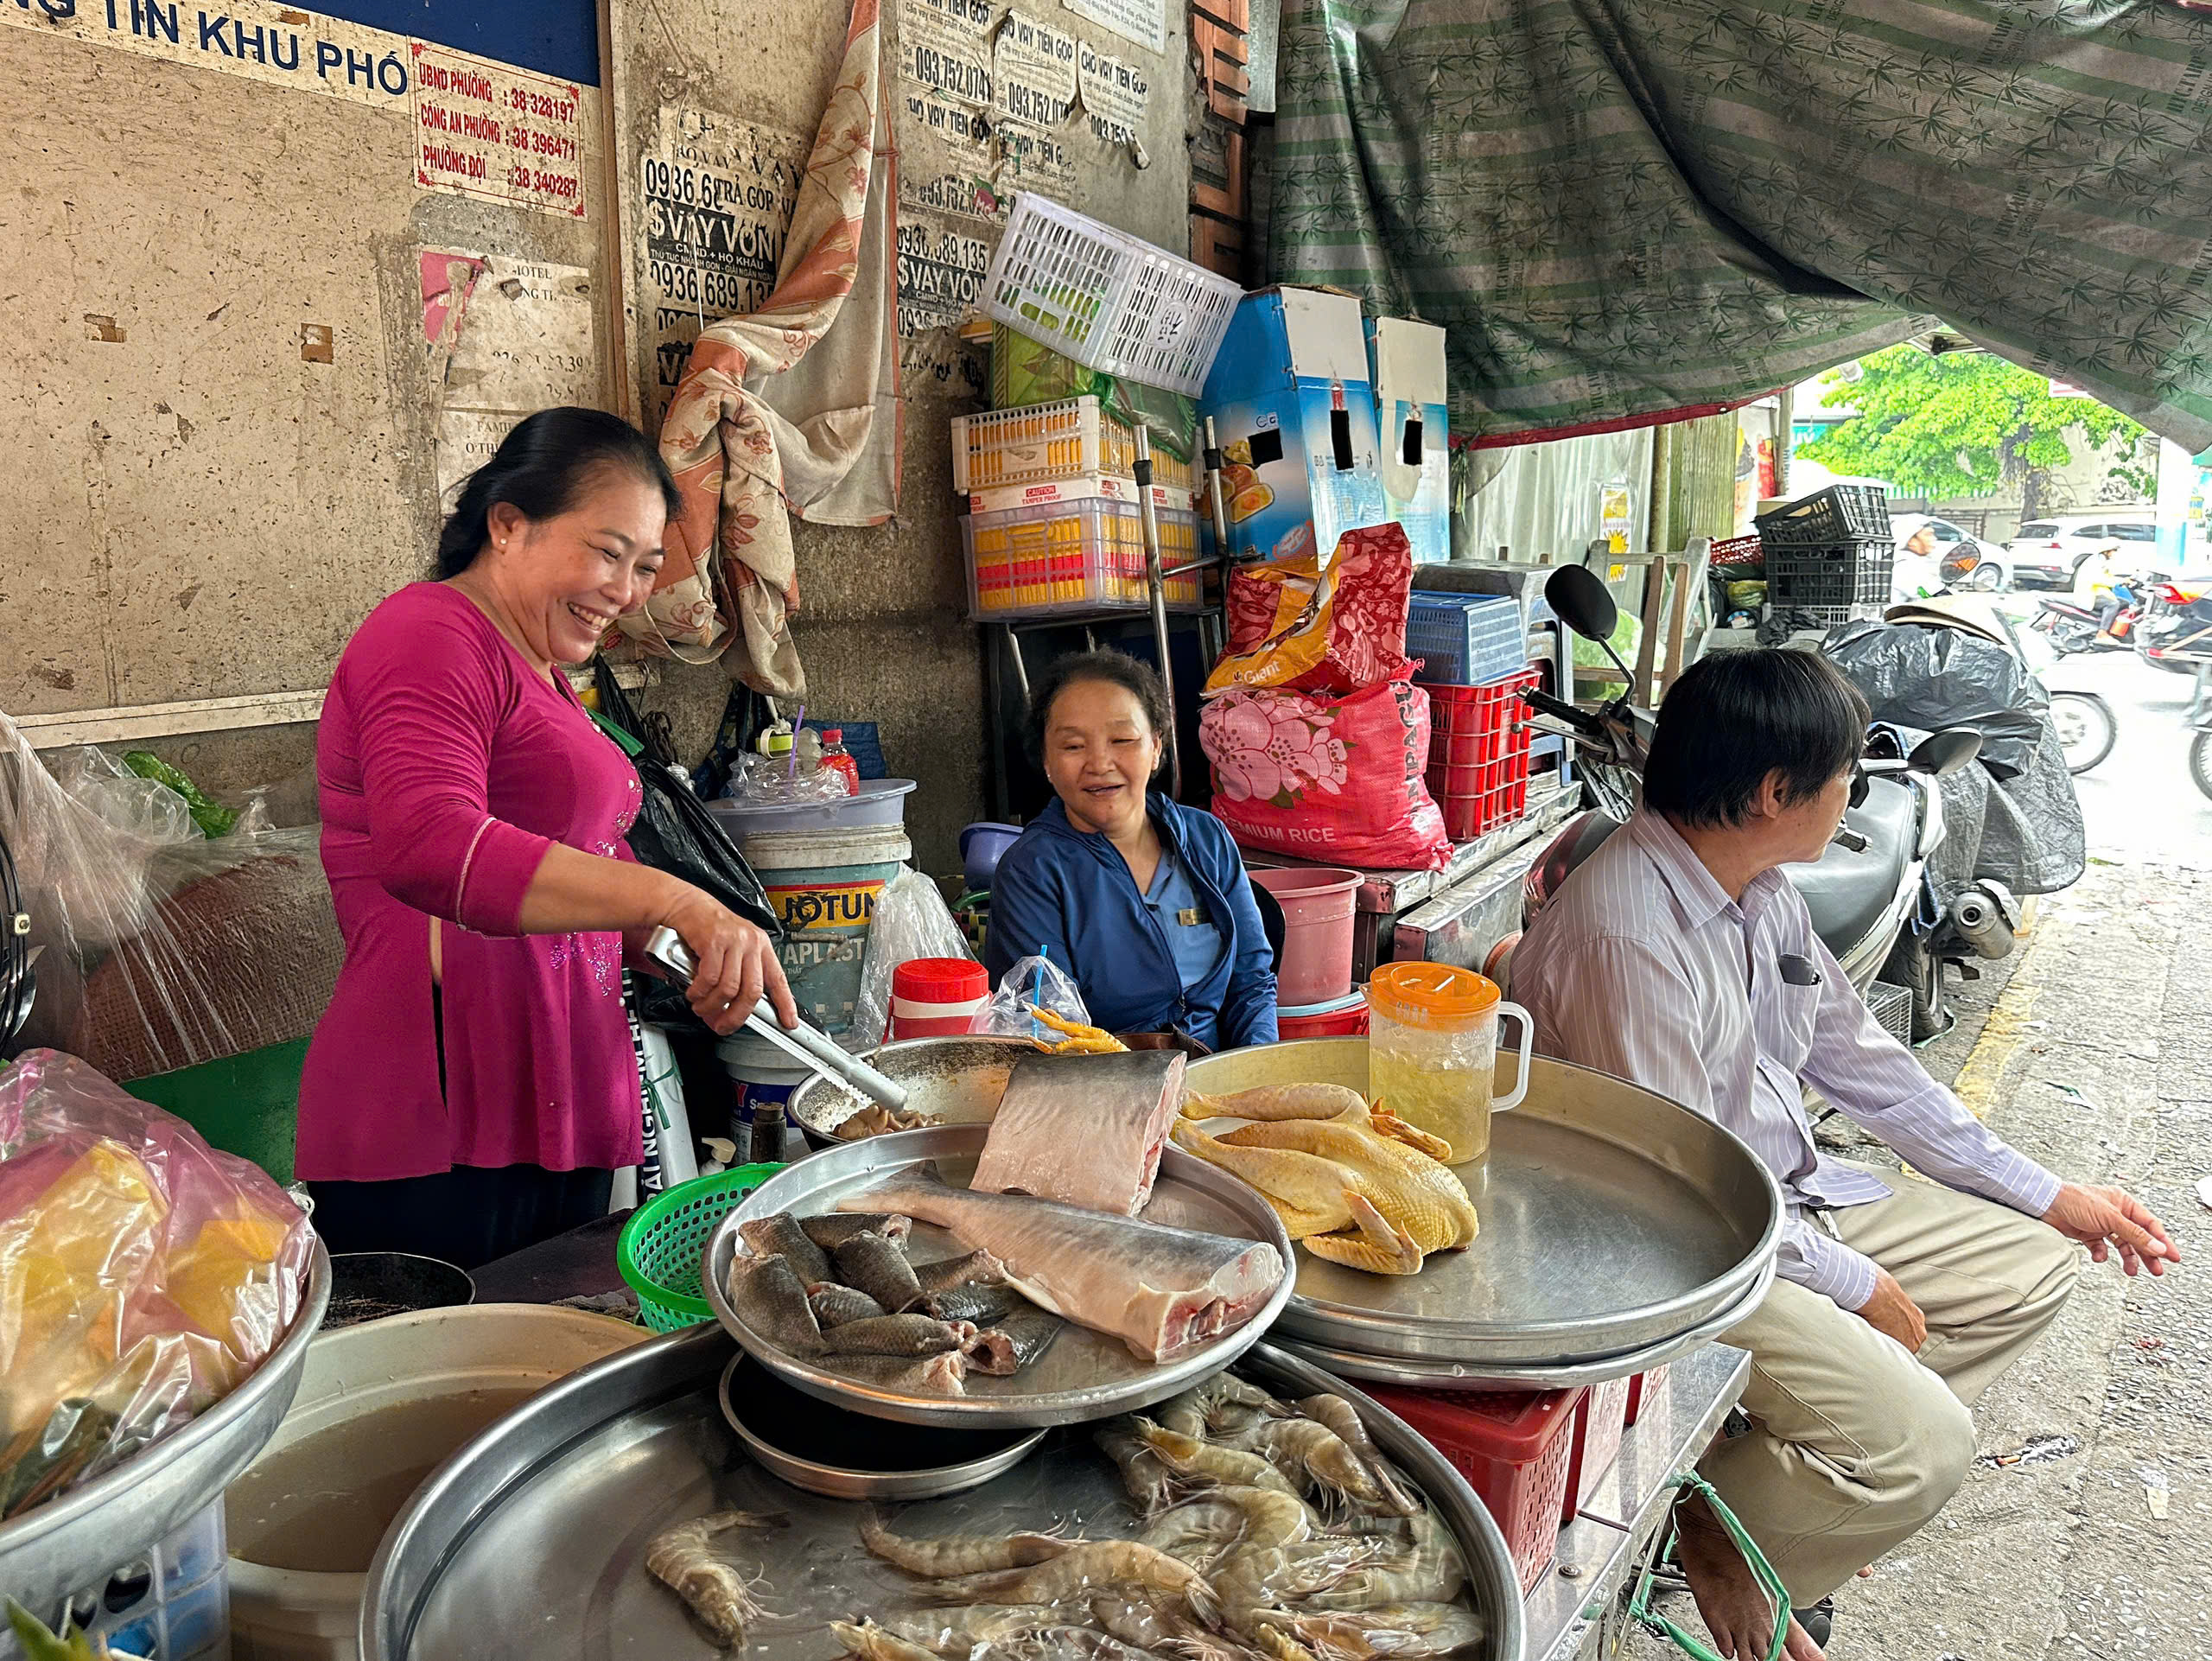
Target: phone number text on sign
pixel 489 129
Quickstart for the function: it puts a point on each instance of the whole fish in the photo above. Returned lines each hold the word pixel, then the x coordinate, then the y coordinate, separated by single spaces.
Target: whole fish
pixel 780 1236
pixel 1163 1291
pixel 770 1298
pixel 1015 1342
pixel 880 1268
pixel 908 1335
pixel 975 1269
pixel 934 1375
pixel 835 1305
pixel 831 1229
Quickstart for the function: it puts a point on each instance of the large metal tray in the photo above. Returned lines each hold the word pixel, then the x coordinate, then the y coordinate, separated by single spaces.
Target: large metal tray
pixel 1612 1220
pixel 1476 1375
pixel 66 1545
pixel 1086 1375
pixel 529 1544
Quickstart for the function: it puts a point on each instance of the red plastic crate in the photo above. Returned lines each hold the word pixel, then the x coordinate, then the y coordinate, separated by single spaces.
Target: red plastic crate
pixel 1479 753
pixel 1599 1422
pixel 1512 1446
pixel 1647 1388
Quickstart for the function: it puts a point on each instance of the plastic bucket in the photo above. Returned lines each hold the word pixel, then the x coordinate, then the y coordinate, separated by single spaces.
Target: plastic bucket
pixel 877 803
pixel 1317 903
pixel 982 846
pixel 379 1401
pixel 824 884
pixel 759 1075
pixel 1344 1017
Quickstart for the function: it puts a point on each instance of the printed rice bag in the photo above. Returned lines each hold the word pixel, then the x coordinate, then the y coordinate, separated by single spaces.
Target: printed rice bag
pixel 1295 625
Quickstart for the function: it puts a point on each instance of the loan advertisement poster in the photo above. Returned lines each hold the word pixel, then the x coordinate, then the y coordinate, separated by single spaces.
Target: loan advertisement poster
pixel 945 45
pixel 1115 93
pixel 1144 21
pixel 716 200
pixel 1033 71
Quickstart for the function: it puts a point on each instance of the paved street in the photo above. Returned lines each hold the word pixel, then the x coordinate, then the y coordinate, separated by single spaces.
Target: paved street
pixel 2086 1531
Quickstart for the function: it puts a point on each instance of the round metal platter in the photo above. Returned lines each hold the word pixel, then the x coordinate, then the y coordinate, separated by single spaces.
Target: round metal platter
pixel 529 1544
pixel 1084 1375
pixel 1471 1375
pixel 61 1548
pixel 1612 1221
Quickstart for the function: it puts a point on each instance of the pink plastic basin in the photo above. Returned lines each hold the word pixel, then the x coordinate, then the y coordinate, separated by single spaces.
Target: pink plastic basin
pixel 1318 902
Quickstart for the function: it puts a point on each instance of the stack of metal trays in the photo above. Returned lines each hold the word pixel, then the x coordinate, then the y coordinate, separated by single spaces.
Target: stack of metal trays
pixel 529 1544
pixel 1618 1231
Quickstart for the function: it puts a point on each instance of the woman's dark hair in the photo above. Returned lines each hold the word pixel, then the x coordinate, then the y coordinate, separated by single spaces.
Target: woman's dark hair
pixel 1135 678
pixel 541 467
pixel 1736 717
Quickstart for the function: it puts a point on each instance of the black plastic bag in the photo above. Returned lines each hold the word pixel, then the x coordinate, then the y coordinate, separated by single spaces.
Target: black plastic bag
pixel 1932 679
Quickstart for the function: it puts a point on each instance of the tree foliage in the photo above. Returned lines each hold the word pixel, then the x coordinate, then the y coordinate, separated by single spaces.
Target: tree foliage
pixel 1966 423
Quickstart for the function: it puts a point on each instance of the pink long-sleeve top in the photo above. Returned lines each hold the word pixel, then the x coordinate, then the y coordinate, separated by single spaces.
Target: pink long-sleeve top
pixel 446 767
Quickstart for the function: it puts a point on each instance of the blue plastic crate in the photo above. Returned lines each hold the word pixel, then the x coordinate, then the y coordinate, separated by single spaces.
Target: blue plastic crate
pixel 1464 639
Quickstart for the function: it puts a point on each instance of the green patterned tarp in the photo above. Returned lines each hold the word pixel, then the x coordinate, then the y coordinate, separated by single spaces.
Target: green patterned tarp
pixel 1625 207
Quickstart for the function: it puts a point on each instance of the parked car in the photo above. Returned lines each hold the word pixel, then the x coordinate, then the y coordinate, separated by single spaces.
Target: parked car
pixel 2049 553
pixel 1956 549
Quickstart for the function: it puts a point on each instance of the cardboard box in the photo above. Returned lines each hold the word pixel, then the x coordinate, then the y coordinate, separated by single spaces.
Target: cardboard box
pixel 1293 411
pixel 1406 361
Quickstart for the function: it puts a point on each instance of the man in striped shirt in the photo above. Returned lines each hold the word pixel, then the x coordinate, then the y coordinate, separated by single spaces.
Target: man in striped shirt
pixel 1679 958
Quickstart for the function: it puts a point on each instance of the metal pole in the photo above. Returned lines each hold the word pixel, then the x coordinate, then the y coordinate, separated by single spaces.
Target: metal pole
pixel 1213 495
pixel 1156 589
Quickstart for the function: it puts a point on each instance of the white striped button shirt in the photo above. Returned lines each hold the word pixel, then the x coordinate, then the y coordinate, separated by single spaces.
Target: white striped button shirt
pixel 1641 966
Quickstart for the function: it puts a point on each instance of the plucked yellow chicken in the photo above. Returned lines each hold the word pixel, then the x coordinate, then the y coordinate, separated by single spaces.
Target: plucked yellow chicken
pixel 1359 1187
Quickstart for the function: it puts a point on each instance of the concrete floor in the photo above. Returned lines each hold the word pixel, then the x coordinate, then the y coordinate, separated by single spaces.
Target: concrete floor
pixel 2086 1530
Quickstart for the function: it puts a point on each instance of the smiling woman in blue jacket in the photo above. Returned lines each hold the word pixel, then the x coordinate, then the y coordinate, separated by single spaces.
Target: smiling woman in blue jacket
pixel 1143 901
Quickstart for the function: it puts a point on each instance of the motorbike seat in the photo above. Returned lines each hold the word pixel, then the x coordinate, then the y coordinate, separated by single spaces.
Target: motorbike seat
pixel 1849 893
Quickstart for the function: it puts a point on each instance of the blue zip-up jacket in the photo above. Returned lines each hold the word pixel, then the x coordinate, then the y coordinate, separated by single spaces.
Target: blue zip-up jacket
pixel 1070 892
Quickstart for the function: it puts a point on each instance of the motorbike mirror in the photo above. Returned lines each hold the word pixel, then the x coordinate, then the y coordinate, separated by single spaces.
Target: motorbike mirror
pixel 1945 752
pixel 1581 599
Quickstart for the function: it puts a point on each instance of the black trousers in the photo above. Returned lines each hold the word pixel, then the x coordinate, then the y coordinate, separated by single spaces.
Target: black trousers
pixel 469 1216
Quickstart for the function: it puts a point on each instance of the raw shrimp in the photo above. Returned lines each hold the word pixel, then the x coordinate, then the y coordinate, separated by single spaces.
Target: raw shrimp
pixel 1151 1625
pixel 1144 1473
pixel 1305 1448
pixel 1226 1516
pixel 1223 1400
pixel 958 1554
pixel 978 1628
pixel 1251 1580
pixel 1340 1416
pixel 872 1643
pixel 1205 1461
pixel 1393 1629
pixel 1082 1569
pixel 1431 1571
pixel 1277 1102
pixel 1082 1643
pixel 717 1593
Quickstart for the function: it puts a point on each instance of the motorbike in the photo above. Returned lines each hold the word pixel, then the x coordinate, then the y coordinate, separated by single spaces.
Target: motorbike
pixel 2199 722
pixel 1867 894
pixel 2175 629
pixel 2086 728
pixel 2072 626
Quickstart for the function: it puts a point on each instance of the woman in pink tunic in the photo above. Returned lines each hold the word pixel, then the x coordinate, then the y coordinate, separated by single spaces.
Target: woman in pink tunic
pixel 472 1087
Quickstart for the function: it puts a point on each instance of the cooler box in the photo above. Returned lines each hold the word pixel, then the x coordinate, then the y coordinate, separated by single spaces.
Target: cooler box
pixel 1293 411
pixel 1514 1447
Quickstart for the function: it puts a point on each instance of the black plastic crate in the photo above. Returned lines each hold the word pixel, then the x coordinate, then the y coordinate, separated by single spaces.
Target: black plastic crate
pixel 1815 616
pixel 1839 513
pixel 1850 573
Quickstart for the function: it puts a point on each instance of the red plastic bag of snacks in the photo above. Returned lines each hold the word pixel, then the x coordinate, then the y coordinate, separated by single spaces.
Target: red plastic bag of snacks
pixel 1296 627
pixel 1332 779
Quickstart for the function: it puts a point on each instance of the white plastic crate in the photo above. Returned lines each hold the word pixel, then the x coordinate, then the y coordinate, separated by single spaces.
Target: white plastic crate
pixel 1068 439
pixel 1106 299
pixel 1082 555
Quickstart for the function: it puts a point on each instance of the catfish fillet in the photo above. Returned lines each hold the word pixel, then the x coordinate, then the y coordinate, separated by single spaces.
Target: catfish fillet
pixel 1083 1130
pixel 1160 1290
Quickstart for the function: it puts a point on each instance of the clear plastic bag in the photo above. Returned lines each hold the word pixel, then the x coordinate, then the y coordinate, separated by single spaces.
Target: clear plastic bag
pixel 144 1275
pixel 911 921
pixel 772 779
pixel 1033 983
pixel 158 948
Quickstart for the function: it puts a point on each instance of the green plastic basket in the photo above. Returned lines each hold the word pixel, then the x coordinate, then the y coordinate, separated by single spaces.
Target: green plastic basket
pixel 666 1240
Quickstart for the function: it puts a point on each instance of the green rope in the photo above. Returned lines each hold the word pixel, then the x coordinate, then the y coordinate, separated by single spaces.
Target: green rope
pixel 1639 1605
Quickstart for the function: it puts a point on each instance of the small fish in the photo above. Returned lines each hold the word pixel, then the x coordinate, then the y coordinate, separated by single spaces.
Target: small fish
pixel 835 1305
pixel 1015 1342
pixel 780 1236
pixel 832 1229
pixel 770 1298
pixel 974 1269
pixel 908 1335
pixel 880 1268
pixel 984 1305
pixel 934 1375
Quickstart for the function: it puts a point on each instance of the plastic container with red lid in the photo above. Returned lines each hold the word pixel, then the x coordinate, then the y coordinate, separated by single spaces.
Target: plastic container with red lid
pixel 1344 1017
pixel 935 997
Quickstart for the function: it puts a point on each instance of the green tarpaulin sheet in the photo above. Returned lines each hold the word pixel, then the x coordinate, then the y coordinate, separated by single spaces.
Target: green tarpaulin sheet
pixel 1627 207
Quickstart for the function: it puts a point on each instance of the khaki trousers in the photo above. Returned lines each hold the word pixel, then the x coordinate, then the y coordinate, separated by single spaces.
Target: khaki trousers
pixel 1856 1444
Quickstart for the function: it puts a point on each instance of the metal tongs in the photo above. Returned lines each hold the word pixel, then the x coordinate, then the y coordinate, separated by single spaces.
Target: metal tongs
pixel 812 1049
